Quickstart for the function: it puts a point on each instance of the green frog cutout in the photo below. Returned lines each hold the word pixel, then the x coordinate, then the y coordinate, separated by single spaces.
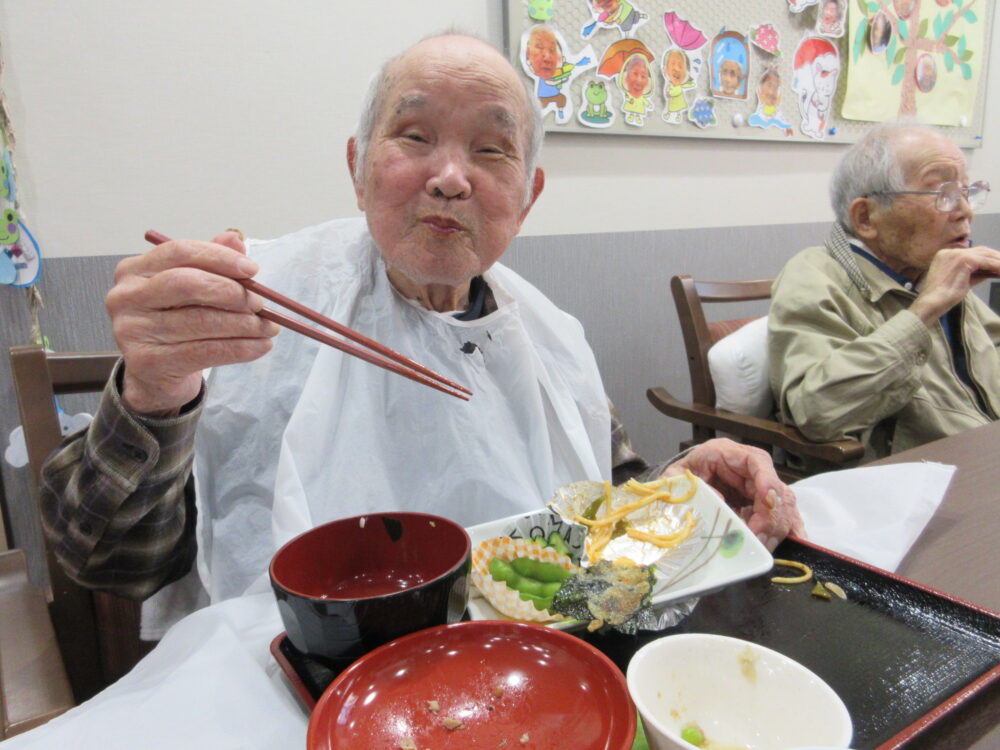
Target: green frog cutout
pixel 540 10
pixel 596 113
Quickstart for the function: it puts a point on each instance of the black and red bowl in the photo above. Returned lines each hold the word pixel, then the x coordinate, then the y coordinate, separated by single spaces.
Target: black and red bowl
pixel 351 585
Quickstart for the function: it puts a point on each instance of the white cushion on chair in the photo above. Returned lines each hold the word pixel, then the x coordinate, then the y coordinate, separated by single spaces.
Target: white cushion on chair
pixel 738 364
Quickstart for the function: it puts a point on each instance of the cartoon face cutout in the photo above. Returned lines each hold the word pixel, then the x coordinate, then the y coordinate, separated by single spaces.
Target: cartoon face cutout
pixel 829 18
pixel 730 77
pixel 826 68
pixel 769 88
pixel 730 65
pixel 544 54
pixel 636 78
pixel 676 68
pixel 9 232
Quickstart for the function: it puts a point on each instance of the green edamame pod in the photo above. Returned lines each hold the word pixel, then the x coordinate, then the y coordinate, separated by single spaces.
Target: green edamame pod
pixel 546 572
pixel 526 585
pixel 557 543
pixel 501 570
pixel 540 602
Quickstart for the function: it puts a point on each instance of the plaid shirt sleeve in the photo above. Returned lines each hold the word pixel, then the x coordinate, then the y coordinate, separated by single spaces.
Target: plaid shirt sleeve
pixel 118 501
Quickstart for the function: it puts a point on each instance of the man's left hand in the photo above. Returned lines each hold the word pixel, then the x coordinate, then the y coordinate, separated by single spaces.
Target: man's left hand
pixel 746 478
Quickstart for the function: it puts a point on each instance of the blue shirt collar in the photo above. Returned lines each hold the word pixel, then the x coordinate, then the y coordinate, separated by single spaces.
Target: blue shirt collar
pixel 859 249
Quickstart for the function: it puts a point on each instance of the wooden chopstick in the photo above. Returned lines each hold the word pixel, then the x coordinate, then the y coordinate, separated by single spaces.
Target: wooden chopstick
pixel 381 355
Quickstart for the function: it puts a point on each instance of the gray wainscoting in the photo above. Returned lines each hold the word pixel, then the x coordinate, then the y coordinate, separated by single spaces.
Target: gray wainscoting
pixel 616 284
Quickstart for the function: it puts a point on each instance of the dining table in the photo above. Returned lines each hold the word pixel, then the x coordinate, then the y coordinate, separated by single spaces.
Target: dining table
pixel 957 553
pixel 214 682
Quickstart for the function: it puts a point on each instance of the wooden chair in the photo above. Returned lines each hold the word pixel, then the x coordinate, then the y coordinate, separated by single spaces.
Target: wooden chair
pixel 33 683
pixel 706 420
pixel 98 633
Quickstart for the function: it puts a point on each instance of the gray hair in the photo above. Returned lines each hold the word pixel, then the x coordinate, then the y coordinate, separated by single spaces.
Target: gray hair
pixel 871 166
pixel 374 100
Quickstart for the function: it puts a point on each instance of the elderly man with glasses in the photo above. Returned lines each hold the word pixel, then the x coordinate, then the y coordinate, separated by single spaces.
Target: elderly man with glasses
pixel 877 335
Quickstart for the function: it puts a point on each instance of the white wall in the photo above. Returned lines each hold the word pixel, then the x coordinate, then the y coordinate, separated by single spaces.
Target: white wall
pixel 191 116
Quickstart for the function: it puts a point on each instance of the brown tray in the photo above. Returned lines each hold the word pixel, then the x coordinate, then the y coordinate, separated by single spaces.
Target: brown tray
pixel 901 656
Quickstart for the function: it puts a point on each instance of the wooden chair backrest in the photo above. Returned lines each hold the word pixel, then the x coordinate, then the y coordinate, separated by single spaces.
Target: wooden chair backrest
pixel 690 296
pixel 98 633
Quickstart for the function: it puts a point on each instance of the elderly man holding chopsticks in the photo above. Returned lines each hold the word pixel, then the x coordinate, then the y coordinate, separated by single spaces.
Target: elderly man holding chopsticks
pixel 292 433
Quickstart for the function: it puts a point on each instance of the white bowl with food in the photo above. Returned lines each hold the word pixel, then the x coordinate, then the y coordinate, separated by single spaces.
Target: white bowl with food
pixel 713 691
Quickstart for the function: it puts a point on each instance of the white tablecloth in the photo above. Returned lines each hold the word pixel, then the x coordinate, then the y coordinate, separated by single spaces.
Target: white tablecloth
pixel 210 683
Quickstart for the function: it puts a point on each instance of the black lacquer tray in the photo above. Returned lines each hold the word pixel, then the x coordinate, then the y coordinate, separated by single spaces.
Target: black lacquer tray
pixel 901 656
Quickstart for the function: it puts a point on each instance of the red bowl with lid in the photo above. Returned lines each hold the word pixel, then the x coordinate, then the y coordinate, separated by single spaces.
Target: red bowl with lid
pixel 507 685
pixel 351 585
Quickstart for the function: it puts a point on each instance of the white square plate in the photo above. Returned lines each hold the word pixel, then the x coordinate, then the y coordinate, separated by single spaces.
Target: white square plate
pixel 726 552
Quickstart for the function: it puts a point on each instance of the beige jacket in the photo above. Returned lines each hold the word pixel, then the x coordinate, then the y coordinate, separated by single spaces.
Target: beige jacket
pixel 848 358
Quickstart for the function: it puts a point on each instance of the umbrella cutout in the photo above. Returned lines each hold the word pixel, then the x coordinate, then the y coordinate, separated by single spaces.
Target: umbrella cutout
pixel 684 35
pixel 616 54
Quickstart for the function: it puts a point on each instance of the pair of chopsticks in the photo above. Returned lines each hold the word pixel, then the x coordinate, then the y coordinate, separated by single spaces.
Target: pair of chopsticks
pixel 380 354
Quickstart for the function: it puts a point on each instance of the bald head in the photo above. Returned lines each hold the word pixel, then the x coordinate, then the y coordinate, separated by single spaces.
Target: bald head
pixel 452 54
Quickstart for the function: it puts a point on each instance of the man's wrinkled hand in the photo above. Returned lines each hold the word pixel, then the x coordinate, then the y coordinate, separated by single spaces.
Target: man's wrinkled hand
pixel 745 476
pixel 177 310
pixel 952 273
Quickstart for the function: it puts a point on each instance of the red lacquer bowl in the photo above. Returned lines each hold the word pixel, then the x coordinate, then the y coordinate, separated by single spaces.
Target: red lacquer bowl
pixel 501 680
pixel 351 585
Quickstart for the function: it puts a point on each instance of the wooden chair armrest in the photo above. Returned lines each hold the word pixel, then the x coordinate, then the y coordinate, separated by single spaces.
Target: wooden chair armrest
pixel 755 429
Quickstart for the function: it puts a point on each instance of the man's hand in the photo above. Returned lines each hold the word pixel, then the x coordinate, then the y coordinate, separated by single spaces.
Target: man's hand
pixel 746 478
pixel 952 273
pixel 175 311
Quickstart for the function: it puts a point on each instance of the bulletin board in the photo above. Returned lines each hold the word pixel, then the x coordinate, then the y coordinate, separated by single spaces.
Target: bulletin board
pixel 818 71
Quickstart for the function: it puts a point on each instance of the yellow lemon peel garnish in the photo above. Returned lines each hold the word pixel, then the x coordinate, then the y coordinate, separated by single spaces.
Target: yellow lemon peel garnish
pixel 807 573
pixel 666 540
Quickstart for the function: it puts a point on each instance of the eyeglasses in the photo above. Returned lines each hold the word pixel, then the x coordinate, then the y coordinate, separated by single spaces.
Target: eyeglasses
pixel 949 194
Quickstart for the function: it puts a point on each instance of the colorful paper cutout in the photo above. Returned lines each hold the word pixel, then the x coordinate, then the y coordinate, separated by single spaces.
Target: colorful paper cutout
pixel 21 250
pixel 540 10
pixel 768 114
pixel 926 73
pixel 689 38
pixel 702 112
pixel 616 54
pixel 614 14
pixel 881 33
pixel 543 59
pixel 597 112
pixel 913 59
pixel 904 8
pixel 765 37
pixel 830 17
pixel 683 33
pixel 730 65
pixel 817 68
pixel 636 83
pixel 677 72
pixel 797 6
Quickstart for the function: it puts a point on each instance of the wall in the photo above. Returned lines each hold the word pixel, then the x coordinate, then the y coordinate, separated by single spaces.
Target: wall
pixel 196 115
